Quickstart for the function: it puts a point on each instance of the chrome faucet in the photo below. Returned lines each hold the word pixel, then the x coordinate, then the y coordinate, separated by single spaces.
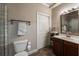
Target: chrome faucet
pixel 67 34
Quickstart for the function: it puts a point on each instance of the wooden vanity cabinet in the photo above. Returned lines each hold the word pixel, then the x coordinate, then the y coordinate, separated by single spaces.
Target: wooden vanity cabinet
pixel 58 46
pixel 64 48
pixel 70 49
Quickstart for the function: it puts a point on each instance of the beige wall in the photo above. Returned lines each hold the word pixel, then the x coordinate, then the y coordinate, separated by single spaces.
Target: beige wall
pixel 25 12
pixel 56 12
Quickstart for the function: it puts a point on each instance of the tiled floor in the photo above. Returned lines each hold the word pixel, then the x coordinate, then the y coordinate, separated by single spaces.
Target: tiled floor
pixel 44 52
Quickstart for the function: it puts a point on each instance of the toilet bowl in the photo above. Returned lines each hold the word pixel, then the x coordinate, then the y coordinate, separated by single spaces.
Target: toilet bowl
pixel 20 47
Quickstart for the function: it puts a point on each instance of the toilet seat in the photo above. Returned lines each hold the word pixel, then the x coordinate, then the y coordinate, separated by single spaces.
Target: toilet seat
pixel 23 53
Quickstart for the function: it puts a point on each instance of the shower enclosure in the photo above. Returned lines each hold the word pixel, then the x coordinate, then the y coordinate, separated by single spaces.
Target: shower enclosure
pixel 3 30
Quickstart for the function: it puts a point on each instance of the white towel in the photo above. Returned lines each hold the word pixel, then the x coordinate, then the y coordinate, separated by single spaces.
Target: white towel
pixel 22 28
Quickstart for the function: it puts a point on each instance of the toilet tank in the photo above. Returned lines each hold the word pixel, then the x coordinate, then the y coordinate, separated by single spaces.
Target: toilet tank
pixel 20 45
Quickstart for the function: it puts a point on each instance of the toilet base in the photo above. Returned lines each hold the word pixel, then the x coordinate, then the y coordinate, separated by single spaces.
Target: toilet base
pixel 23 53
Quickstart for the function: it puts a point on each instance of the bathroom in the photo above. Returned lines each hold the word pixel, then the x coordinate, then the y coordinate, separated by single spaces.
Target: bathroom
pixel 27 13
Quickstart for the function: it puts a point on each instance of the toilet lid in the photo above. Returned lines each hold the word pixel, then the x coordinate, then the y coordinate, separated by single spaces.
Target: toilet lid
pixel 23 53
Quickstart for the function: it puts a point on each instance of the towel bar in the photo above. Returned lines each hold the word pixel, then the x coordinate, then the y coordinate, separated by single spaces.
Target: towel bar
pixel 19 21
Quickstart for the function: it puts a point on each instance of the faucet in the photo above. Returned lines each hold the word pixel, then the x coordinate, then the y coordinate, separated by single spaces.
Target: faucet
pixel 67 34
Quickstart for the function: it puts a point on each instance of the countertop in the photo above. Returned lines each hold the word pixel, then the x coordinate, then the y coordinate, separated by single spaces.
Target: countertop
pixel 72 38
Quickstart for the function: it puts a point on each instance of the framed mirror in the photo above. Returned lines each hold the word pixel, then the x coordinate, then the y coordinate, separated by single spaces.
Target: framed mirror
pixel 70 22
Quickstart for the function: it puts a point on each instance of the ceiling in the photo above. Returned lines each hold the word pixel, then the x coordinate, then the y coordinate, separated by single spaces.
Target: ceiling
pixel 48 4
pixel 51 5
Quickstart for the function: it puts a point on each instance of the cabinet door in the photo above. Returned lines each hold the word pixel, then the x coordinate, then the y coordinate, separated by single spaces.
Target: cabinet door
pixel 58 46
pixel 70 49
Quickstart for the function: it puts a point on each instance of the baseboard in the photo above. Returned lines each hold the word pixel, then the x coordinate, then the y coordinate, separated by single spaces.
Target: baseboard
pixel 30 52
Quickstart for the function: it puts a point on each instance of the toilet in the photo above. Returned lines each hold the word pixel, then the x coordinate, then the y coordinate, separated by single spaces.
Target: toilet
pixel 20 47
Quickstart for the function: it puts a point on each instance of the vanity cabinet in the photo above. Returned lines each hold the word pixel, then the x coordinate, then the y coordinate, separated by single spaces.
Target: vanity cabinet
pixel 64 48
pixel 58 47
pixel 70 49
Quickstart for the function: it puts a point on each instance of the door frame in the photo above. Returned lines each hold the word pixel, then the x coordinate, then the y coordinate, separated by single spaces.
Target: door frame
pixel 44 14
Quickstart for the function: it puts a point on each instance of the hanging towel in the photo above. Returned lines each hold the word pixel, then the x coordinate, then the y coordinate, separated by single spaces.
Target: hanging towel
pixel 22 28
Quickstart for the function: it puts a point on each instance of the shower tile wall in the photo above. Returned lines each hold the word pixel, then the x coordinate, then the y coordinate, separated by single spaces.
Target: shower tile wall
pixel 6 46
pixel 2 29
pixel 6 49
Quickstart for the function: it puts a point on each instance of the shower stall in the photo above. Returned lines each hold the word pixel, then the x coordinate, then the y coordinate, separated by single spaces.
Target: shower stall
pixel 3 30
pixel 6 29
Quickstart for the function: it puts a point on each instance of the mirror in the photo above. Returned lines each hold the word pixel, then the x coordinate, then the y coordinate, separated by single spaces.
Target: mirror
pixel 70 22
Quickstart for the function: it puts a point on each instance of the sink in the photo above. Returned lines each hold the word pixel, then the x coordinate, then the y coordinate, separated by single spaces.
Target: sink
pixel 61 36
pixel 75 37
